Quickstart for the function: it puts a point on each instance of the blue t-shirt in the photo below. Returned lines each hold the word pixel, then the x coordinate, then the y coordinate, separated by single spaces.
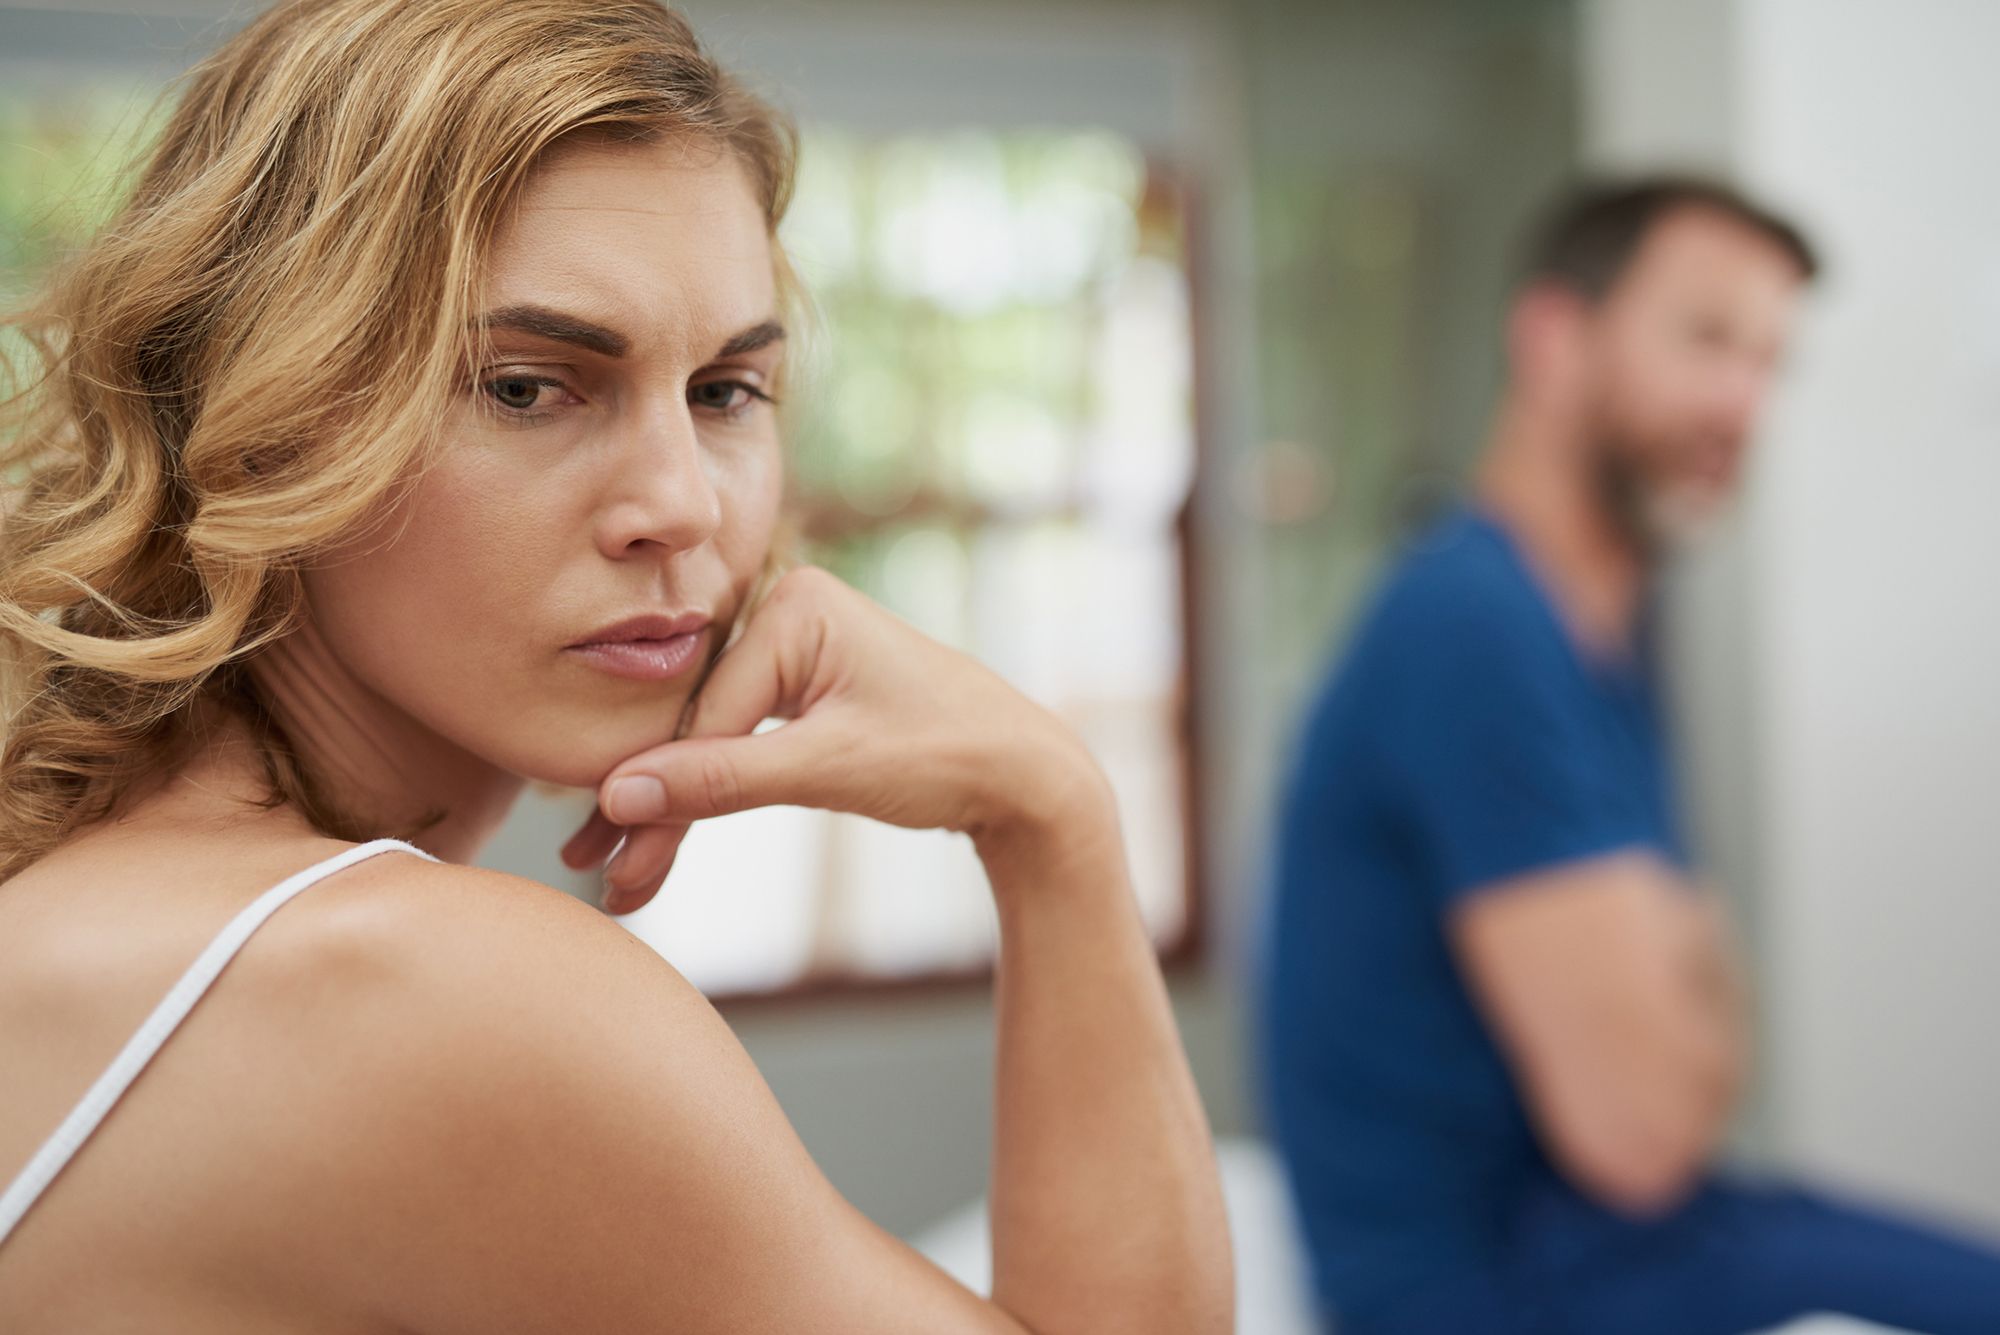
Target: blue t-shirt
pixel 1464 739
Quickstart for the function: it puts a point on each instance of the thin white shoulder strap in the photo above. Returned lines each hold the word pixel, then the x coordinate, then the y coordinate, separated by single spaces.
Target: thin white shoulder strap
pixel 173 1008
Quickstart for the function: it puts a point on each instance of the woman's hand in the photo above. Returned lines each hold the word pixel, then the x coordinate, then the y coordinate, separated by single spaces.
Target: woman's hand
pixel 1106 1209
pixel 884 722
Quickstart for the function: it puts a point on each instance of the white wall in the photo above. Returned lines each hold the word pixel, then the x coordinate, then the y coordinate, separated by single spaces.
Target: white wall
pixel 1879 558
pixel 1862 582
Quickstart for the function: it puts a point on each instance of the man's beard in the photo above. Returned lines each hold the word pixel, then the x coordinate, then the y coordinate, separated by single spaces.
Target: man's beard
pixel 1656 517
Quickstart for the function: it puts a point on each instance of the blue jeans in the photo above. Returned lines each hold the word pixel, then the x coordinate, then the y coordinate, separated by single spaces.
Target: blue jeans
pixel 1738 1257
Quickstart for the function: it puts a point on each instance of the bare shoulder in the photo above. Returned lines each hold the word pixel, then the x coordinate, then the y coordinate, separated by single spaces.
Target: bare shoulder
pixel 538 1121
pixel 455 939
pixel 456 983
pixel 456 967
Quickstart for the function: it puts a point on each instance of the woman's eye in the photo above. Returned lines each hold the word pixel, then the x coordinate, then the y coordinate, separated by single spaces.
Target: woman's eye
pixel 520 395
pixel 728 397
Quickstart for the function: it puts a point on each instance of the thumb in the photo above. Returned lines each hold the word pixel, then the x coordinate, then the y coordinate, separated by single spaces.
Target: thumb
pixel 699 777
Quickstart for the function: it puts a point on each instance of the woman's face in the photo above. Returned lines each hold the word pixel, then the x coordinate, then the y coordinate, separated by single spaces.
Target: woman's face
pixel 616 458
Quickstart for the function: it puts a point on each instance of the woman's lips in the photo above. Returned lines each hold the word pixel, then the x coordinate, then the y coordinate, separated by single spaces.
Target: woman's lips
pixel 644 660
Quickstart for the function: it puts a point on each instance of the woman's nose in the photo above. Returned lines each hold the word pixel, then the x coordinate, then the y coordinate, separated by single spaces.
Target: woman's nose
pixel 660 492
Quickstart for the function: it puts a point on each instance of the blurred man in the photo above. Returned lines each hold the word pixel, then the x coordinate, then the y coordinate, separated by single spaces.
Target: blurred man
pixel 1503 1033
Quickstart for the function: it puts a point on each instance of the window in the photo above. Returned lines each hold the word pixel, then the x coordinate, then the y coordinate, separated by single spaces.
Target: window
pixel 60 158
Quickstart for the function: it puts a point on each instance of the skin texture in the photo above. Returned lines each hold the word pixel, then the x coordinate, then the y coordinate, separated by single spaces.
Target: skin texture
pixel 1611 983
pixel 430 1098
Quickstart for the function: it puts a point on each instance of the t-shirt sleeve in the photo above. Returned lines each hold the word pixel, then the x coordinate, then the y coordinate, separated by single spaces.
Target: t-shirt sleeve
pixel 1503 760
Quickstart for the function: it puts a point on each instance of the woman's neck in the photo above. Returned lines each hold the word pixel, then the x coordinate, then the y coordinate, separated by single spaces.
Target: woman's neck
pixel 371 759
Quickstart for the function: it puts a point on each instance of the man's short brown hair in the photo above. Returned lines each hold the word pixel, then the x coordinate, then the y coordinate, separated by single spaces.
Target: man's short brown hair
pixel 1586 240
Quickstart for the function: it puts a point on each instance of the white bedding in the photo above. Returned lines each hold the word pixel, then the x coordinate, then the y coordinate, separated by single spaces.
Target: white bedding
pixel 1271 1284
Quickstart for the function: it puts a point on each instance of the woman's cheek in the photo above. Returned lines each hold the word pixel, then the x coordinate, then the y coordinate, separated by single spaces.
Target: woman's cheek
pixel 756 494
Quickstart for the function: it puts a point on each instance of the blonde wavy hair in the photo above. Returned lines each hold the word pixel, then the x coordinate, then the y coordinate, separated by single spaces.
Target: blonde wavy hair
pixel 253 356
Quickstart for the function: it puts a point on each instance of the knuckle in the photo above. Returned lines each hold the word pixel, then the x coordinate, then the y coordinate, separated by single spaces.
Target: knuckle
pixel 805 583
pixel 717 785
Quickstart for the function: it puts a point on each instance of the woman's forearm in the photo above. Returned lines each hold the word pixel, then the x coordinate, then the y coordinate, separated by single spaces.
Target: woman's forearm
pixel 1107 1211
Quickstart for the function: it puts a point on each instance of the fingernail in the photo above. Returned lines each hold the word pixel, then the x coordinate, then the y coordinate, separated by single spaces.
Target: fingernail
pixel 635 799
pixel 611 901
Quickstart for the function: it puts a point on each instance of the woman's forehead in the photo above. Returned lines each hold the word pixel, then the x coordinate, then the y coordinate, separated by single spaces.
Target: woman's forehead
pixel 663 243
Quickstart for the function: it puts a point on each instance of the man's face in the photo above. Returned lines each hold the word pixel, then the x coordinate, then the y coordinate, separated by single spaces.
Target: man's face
pixel 1682 351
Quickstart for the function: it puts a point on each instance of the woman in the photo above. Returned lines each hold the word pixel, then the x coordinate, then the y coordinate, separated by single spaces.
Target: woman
pixel 410 436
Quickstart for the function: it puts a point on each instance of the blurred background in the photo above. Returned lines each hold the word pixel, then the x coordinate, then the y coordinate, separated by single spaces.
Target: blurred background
pixel 1144 329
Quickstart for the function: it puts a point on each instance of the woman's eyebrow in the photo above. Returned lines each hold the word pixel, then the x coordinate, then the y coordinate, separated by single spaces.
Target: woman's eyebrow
pixel 755 337
pixel 544 322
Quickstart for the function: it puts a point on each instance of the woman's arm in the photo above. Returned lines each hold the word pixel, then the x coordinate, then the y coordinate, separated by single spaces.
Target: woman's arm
pixel 505 1114
pixel 1107 1215
pixel 664 1146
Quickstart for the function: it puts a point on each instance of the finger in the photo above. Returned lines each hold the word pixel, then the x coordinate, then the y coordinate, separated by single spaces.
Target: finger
pixel 592 842
pixel 769 672
pixel 716 776
pixel 648 850
pixel 673 855
pixel 641 867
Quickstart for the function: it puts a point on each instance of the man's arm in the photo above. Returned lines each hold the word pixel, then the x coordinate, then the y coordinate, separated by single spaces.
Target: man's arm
pixel 1609 984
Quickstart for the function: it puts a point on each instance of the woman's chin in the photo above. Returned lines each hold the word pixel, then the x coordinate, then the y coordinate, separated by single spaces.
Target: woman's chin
pixel 583 757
